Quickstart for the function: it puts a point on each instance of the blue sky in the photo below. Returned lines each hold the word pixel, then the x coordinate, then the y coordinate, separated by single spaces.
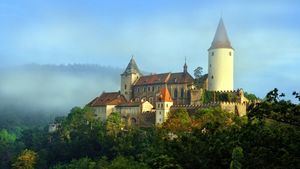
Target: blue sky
pixel 160 33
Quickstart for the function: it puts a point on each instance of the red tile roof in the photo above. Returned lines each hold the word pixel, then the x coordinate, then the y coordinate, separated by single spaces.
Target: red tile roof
pixel 153 79
pixel 169 78
pixel 112 98
pixel 165 95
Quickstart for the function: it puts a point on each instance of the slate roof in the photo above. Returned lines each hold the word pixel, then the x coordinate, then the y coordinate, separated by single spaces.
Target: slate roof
pixel 131 68
pixel 165 78
pixel 112 98
pixel 221 39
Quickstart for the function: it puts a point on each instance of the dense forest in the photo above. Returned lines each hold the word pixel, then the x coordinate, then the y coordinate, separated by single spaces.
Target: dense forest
pixel 268 137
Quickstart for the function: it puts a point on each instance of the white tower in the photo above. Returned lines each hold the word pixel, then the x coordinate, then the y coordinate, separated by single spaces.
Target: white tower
pixel 128 78
pixel 220 61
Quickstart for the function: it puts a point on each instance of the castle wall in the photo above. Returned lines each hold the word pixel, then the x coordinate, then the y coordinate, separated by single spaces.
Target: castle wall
pixel 231 107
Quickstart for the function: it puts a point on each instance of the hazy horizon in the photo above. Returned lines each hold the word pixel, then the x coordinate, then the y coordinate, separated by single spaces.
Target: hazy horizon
pixel 160 34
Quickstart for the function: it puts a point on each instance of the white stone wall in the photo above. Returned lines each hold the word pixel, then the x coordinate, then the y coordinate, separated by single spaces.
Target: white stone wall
pixel 220 69
pixel 162 111
pixel 103 112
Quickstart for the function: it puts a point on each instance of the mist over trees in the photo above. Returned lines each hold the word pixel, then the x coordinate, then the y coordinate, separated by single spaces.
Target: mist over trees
pixel 45 91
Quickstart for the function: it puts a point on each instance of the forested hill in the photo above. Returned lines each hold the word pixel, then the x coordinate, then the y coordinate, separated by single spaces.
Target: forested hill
pixel 51 89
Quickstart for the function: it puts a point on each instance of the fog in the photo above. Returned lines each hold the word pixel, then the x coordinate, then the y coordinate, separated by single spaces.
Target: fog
pixel 53 89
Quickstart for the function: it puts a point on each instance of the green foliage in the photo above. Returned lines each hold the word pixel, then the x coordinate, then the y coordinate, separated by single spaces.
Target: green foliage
pixel 6 137
pixel 198 72
pixel 275 108
pixel 251 97
pixel 209 138
pixel 237 157
pixel 26 160
pixel 178 121
pixel 128 163
pixel 114 124
pixel 83 163
pixel 211 96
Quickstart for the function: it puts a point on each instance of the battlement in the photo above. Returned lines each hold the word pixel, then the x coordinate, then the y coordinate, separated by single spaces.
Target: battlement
pixel 233 107
pixel 210 104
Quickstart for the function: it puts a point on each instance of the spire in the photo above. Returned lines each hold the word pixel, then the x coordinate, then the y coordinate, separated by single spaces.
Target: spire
pixel 185 66
pixel 221 39
pixel 132 67
pixel 165 95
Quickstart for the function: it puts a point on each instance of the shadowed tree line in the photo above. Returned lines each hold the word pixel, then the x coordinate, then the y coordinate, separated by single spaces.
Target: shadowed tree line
pixel 268 137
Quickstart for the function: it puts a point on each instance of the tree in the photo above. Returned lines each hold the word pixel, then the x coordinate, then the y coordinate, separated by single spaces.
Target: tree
pixel 114 124
pixel 26 160
pixel 237 156
pixel 178 121
pixel 198 72
pixel 128 163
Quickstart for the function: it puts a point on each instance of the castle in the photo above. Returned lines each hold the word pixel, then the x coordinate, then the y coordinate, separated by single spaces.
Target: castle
pixel 147 99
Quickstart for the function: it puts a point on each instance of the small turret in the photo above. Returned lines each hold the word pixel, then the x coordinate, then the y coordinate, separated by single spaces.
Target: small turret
pixel 163 106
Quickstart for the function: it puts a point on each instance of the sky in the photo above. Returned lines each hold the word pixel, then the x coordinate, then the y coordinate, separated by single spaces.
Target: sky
pixel 159 33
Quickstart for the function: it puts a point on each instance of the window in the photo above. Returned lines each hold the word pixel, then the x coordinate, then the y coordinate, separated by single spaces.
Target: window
pixel 159 112
pixel 151 99
pixel 145 89
pixel 212 77
pixel 181 92
pixel 138 89
pixel 175 93
pixel 212 53
pixel 125 86
pixel 209 65
pixel 166 105
pixel 152 88
pixel 159 119
pixel 229 53
pixel 148 89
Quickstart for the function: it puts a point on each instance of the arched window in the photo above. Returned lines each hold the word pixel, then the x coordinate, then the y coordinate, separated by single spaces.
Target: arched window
pixel 151 100
pixel 175 93
pixel 182 93
pixel 188 94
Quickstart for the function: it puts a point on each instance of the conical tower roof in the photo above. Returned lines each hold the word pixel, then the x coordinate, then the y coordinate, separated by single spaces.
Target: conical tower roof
pixel 165 95
pixel 132 67
pixel 221 39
